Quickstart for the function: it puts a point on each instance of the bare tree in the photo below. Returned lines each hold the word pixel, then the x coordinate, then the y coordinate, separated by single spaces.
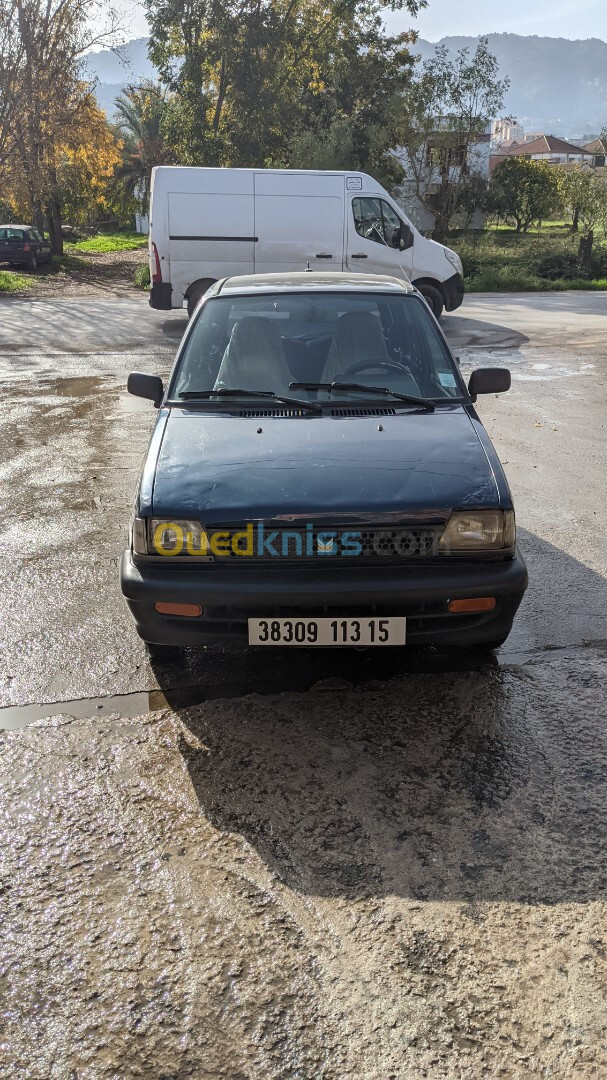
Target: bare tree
pixel 445 111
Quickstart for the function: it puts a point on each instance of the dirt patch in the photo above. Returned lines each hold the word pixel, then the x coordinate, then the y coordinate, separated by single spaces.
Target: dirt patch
pixel 390 883
pixel 93 273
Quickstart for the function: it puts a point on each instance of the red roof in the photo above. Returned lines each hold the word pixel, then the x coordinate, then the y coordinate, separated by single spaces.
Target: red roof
pixel 596 147
pixel 547 145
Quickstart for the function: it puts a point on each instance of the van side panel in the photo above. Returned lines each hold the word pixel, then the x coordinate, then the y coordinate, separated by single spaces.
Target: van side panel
pixel 212 229
pixel 298 221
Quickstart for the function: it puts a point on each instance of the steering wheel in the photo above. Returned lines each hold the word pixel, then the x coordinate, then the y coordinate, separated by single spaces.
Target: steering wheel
pixel 369 365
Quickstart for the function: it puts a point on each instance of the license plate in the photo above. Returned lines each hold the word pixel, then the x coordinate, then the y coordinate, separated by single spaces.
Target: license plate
pixel 326 632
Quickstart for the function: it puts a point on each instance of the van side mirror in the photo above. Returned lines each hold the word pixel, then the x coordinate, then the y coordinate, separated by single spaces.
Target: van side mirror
pixel 487 380
pixel 145 386
pixel 406 238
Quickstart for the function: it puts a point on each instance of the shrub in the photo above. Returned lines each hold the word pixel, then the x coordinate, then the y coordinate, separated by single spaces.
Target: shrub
pixel 561 267
pixel 142 276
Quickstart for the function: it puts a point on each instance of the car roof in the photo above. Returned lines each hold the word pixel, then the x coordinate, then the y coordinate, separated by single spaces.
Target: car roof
pixel 312 281
pixel 15 225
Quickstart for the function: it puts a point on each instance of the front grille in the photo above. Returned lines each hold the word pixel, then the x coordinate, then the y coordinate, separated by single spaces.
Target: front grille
pixel 313 543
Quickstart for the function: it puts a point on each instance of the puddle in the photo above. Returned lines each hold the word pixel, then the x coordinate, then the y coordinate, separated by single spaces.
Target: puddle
pixel 79 386
pixel 17 716
pixel 523 368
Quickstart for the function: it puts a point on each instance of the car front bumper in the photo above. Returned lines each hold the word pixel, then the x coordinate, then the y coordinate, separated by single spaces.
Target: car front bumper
pixel 230 595
pixel 453 290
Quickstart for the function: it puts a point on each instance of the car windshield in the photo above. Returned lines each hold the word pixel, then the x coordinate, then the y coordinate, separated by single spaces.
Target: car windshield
pixel 270 342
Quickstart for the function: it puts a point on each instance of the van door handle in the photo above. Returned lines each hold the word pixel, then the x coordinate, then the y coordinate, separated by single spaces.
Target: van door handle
pixel 358 256
pixel 323 255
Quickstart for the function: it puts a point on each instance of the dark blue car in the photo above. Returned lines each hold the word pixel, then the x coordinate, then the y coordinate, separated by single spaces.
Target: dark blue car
pixel 318 476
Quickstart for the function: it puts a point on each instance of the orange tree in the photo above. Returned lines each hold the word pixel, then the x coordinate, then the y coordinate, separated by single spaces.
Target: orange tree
pixel 45 106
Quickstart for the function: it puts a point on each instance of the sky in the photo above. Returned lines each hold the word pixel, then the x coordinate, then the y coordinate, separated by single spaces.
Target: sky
pixel 548 18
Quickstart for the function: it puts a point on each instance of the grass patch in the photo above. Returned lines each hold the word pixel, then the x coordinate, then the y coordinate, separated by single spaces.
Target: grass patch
pixel 125 241
pixel 501 260
pixel 11 282
pixel 141 277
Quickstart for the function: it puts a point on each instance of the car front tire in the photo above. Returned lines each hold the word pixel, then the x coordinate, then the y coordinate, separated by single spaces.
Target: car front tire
pixel 163 654
pixel 491 646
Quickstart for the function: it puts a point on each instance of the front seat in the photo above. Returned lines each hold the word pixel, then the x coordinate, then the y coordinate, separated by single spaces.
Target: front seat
pixel 358 336
pixel 254 358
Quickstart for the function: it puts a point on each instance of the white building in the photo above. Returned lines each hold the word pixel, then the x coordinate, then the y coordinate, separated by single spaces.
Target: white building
pixel 506 131
pixel 424 174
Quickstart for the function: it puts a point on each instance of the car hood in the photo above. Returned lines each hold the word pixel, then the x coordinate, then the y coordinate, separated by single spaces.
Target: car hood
pixel 409 466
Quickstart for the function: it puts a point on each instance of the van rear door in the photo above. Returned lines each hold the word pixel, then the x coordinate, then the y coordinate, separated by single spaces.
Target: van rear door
pixel 212 230
pixel 298 221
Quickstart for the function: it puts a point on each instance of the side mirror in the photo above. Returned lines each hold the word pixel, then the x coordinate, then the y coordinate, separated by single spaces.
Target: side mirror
pixel 488 380
pixel 406 238
pixel 145 386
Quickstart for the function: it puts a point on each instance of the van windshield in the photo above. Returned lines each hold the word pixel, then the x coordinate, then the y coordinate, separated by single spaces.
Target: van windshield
pixel 270 341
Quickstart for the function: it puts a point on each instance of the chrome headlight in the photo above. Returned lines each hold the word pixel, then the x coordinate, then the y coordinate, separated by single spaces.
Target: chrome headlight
pixel 159 536
pixel 455 260
pixel 480 530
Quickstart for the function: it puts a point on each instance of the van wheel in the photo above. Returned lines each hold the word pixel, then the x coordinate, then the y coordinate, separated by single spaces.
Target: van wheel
pixel 433 298
pixel 198 290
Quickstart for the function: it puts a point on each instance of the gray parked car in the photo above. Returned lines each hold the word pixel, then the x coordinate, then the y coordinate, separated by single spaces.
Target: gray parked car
pixel 23 245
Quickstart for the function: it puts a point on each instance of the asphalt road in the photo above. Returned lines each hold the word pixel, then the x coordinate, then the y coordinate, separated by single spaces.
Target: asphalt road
pixel 341 865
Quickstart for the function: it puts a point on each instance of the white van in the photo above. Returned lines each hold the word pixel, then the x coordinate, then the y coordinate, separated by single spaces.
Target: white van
pixel 207 224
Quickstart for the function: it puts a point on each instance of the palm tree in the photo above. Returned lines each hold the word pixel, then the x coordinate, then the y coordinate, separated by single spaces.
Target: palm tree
pixel 139 110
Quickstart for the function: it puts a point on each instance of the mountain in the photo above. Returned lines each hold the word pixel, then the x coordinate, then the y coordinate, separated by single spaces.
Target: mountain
pixel 112 69
pixel 557 86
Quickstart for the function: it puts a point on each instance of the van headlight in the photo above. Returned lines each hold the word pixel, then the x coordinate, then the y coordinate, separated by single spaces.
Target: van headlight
pixel 455 260
pixel 160 536
pixel 480 530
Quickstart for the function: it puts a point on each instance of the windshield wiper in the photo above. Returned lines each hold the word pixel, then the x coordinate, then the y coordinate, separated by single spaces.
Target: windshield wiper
pixel 424 402
pixel 225 391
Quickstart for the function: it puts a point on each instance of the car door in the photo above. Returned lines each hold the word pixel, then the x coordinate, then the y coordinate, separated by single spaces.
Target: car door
pixel 41 246
pixel 379 241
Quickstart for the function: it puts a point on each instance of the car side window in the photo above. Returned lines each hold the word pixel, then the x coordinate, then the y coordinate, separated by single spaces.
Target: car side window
pixel 392 224
pixel 368 220
pixel 36 235
pixel 374 219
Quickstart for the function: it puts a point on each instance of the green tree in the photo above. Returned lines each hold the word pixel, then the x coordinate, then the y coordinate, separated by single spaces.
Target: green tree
pixel 251 79
pixel 584 196
pixel 140 111
pixel 524 191
pixel 354 122
pixel 444 114
pixel 473 199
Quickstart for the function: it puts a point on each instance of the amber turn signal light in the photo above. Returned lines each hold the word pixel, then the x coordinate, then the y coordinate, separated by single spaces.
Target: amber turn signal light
pixel 191 610
pixel 477 603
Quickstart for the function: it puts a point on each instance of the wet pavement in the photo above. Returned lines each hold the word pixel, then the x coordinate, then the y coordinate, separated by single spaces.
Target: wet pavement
pixel 315 865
